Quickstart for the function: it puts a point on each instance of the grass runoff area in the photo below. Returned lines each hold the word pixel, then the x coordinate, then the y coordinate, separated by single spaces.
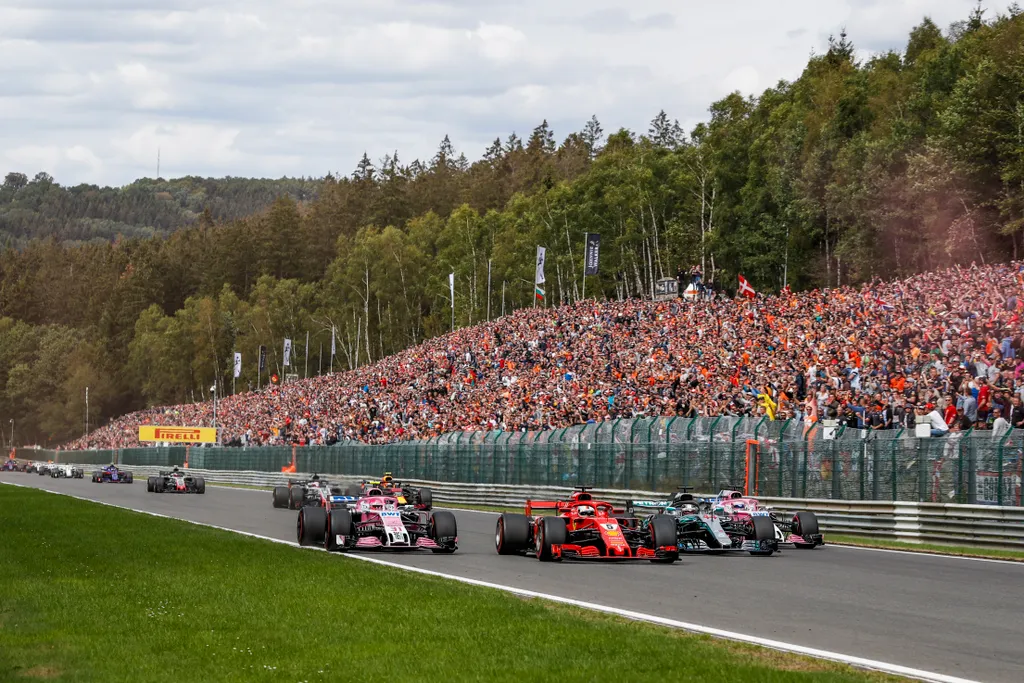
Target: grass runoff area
pixel 837 539
pixel 94 593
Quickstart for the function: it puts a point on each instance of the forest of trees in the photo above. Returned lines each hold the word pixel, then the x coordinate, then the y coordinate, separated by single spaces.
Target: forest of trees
pixel 901 163
pixel 41 208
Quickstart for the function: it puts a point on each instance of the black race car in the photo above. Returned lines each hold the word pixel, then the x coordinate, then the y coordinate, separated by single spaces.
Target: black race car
pixel 112 474
pixel 175 481
pixel 313 491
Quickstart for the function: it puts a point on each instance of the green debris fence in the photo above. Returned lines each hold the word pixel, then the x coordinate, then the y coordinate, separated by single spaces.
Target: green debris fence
pixel 658 454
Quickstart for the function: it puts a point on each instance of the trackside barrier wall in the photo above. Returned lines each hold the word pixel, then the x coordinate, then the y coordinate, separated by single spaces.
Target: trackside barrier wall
pixel 658 454
pixel 975 525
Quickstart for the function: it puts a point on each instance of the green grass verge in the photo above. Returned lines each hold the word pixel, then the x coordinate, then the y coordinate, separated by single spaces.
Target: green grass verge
pixel 930 548
pixel 93 593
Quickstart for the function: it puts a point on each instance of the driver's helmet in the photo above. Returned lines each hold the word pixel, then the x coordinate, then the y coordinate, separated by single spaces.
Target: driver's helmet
pixel 316 477
pixel 689 508
pixel 387 479
pixel 586 511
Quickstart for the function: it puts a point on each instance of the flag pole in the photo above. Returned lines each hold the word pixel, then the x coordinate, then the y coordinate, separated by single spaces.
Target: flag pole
pixel 488 290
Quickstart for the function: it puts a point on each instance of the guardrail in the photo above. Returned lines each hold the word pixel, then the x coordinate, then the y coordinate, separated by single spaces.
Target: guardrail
pixel 963 468
pixel 985 526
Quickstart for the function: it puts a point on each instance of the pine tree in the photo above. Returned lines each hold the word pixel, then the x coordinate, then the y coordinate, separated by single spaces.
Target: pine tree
pixel 592 135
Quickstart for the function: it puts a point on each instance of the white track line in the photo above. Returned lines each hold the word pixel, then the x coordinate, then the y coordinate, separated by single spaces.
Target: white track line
pixel 859 662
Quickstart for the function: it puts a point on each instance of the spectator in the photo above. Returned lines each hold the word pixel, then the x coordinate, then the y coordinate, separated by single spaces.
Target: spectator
pixel 816 354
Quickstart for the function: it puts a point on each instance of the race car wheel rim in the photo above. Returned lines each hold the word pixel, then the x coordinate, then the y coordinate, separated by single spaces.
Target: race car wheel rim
pixel 498 534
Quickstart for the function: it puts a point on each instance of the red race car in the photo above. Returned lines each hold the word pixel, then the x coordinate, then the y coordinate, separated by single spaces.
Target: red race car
pixel 584 528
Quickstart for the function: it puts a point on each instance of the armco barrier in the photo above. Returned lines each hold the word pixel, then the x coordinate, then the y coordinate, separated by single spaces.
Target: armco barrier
pixel 974 525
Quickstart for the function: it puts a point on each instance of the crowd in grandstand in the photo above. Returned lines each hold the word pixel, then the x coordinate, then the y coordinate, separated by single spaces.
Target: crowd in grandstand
pixel 945 345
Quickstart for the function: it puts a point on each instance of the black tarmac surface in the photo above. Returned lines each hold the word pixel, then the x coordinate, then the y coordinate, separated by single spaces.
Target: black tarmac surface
pixel 952 616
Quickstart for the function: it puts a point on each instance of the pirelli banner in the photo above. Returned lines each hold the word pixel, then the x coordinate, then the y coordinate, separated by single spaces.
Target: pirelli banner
pixel 178 434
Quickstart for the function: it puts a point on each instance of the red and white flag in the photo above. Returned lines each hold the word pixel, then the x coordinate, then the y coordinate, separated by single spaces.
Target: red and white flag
pixel 745 288
pixel 787 291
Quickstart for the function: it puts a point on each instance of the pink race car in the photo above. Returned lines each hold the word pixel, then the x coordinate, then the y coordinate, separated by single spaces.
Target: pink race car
pixel 737 513
pixel 377 521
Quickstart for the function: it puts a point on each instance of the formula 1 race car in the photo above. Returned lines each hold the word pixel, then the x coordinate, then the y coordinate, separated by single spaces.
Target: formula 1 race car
pixel 734 509
pixel 377 522
pixel 313 491
pixel 10 465
pixel 112 474
pixel 175 481
pixel 584 528
pixel 41 468
pixel 67 471
pixel 421 498
pixel 699 528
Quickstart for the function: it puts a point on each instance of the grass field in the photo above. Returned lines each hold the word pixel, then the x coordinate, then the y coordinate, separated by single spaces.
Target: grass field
pixel 934 548
pixel 93 593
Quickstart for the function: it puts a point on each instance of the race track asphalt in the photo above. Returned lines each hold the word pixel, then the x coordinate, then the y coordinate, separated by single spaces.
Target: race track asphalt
pixel 946 615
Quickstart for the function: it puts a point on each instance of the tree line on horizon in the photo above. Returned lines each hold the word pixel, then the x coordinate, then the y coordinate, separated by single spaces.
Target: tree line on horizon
pixel 901 163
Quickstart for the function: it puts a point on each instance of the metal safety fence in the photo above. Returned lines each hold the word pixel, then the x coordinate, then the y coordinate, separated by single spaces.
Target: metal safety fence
pixel 778 459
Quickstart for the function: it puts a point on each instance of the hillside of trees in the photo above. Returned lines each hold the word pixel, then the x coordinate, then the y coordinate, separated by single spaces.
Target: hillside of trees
pixel 39 208
pixel 905 162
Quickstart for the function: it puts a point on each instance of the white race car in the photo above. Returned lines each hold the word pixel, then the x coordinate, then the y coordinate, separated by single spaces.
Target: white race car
pixel 68 471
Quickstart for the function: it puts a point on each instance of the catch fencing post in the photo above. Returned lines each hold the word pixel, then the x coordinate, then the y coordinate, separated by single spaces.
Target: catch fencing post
pixel 748 472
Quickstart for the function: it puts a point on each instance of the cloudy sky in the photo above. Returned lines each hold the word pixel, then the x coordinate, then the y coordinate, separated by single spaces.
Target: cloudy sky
pixel 91 89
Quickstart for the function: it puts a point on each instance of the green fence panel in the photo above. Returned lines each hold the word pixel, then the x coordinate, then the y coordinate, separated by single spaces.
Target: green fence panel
pixel 659 454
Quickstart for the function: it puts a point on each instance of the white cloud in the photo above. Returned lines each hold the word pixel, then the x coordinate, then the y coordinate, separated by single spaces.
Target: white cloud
pixel 299 88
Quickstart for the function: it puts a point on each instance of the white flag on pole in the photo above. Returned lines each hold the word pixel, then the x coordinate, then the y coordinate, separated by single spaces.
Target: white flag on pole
pixel 238 364
pixel 451 286
pixel 332 341
pixel 540 265
pixel 287 352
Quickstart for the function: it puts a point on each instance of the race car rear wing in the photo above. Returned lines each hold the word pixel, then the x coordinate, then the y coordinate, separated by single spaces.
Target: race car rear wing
pixel 649 504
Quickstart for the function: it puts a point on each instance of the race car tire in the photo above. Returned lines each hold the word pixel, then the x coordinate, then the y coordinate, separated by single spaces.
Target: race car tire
pixel 425 498
pixel 128 478
pixel 158 484
pixel 764 530
pixel 296 495
pixel 280 496
pixel 311 525
pixel 339 523
pixel 663 532
pixel 353 491
pixel 150 484
pixel 200 485
pixel 96 477
pixel 550 531
pixel 512 534
pixel 805 523
pixel 443 525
